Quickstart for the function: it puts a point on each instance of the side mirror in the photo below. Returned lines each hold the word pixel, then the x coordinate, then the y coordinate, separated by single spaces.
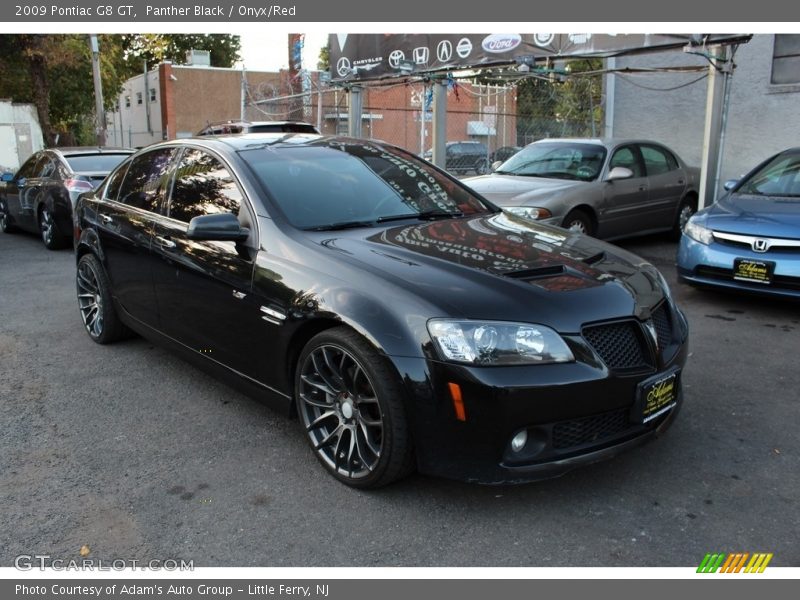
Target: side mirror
pixel 496 165
pixel 221 228
pixel 619 173
pixel 7 177
pixel 730 184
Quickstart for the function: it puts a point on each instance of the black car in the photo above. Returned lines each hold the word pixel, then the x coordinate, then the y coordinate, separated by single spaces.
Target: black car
pixel 503 153
pixel 41 195
pixel 226 127
pixel 464 157
pixel 406 321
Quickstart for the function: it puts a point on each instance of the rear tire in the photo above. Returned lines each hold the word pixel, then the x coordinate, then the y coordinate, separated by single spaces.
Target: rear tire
pixel 51 236
pixel 6 222
pixel 95 303
pixel 686 209
pixel 350 403
pixel 579 221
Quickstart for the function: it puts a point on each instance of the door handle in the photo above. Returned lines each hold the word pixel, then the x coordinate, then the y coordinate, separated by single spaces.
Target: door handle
pixel 105 219
pixel 165 242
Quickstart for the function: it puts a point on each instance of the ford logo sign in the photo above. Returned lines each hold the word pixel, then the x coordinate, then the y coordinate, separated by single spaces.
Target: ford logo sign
pixel 501 42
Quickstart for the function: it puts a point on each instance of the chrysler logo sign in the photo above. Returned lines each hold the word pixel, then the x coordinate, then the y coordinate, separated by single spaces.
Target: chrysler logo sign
pixel 501 42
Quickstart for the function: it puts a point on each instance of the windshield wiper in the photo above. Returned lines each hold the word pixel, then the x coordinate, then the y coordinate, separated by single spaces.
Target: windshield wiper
pixel 426 215
pixel 342 225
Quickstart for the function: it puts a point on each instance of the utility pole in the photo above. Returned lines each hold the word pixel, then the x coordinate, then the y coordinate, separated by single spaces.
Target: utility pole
pixel 98 92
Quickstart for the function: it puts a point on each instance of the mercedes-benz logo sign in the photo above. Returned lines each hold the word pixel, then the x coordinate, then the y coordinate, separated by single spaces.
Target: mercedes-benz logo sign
pixel 343 67
pixel 395 57
pixel 444 51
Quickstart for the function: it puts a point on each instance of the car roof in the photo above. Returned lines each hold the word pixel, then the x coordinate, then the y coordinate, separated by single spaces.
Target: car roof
pixel 599 141
pixel 76 150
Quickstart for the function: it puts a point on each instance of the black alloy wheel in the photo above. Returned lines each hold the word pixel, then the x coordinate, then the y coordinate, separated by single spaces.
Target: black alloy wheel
pixel 94 301
pixel 6 224
pixel 349 404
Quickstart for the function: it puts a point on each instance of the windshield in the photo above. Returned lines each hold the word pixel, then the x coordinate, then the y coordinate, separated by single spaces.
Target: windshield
pixel 779 177
pixel 94 163
pixel 558 160
pixel 330 183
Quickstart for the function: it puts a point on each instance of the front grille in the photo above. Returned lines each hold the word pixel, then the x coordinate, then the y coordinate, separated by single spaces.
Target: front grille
pixel 619 345
pixel 778 281
pixel 663 323
pixel 587 430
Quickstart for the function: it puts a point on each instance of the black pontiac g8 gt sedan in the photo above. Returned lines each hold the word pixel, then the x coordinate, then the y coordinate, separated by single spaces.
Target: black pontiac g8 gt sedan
pixel 405 320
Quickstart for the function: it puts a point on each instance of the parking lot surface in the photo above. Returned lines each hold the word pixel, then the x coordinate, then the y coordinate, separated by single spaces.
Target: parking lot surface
pixel 132 451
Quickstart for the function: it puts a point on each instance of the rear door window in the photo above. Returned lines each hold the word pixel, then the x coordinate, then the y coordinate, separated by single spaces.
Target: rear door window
pixel 147 179
pixel 657 161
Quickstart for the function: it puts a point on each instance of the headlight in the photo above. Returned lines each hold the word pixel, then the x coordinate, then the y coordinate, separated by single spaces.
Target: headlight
pixel 698 232
pixel 529 212
pixel 498 343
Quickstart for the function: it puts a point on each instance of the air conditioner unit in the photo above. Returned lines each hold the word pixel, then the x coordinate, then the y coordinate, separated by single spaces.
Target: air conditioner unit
pixel 198 58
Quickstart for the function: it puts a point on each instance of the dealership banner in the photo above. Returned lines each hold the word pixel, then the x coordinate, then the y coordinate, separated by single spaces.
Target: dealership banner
pixel 374 56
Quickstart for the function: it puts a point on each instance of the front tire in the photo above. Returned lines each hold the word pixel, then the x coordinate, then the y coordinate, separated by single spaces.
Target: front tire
pixel 578 221
pixel 94 301
pixel 350 404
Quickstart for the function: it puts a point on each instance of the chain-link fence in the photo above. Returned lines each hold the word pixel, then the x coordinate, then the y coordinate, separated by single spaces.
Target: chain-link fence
pixel 485 122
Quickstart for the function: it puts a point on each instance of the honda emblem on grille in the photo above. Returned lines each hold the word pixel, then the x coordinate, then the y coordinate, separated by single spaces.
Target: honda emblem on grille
pixel 651 329
pixel 760 245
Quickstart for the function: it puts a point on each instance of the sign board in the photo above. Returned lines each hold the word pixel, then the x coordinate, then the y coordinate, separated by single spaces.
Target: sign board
pixel 356 56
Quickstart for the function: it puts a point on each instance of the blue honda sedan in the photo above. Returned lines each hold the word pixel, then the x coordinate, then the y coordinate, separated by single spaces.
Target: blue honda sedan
pixel 750 239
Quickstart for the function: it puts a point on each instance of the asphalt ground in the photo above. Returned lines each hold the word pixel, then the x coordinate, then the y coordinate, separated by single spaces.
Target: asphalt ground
pixel 136 454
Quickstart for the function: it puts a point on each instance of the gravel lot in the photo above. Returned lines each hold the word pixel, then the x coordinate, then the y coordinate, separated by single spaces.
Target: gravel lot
pixel 132 451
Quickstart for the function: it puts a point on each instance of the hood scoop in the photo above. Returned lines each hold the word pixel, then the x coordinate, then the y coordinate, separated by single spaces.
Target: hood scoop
pixel 595 258
pixel 538 273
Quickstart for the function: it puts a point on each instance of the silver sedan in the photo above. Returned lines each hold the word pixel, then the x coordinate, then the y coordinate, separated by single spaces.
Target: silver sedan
pixel 608 188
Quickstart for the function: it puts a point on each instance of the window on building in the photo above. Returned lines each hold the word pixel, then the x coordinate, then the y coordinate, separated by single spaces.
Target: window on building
pixel 786 59
pixel 138 97
pixel 127 101
pixel 152 94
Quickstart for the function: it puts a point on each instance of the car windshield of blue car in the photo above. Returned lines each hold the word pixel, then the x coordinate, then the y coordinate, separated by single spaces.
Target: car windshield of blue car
pixel 557 160
pixel 324 184
pixel 779 177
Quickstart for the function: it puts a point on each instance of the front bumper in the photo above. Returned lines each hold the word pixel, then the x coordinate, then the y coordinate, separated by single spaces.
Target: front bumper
pixel 575 414
pixel 712 266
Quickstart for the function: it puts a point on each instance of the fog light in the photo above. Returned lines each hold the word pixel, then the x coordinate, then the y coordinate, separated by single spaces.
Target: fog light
pixel 518 441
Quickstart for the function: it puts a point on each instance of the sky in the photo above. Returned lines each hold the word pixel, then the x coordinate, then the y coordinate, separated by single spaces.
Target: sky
pixel 269 52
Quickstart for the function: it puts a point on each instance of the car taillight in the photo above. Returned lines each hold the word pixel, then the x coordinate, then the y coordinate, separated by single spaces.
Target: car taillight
pixel 78 185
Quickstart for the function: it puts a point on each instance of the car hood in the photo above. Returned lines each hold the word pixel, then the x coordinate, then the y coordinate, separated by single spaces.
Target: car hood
pixel 516 190
pixel 766 216
pixel 501 267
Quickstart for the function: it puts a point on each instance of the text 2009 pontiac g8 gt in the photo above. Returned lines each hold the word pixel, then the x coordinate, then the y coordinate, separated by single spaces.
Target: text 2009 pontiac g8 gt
pixel 406 321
